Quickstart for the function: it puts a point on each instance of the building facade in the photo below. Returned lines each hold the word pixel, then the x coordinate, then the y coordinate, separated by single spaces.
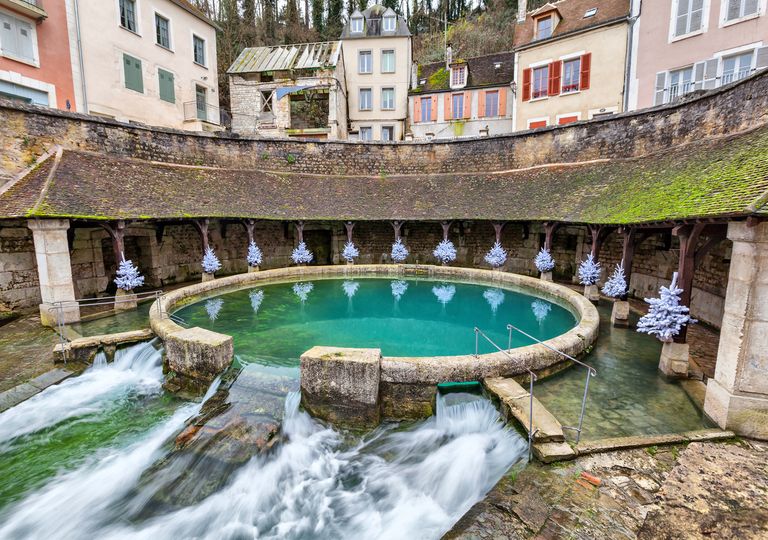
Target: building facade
pixel 147 61
pixel 570 61
pixel 34 53
pixel 376 45
pixel 462 98
pixel 687 45
pixel 289 91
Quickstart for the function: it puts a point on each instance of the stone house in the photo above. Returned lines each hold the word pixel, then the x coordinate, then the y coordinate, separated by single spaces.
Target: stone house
pixel 289 91
pixel 377 48
pixel 462 98
pixel 570 61
pixel 685 46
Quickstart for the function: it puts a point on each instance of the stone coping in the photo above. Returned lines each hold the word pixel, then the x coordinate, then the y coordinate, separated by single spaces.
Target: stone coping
pixel 419 370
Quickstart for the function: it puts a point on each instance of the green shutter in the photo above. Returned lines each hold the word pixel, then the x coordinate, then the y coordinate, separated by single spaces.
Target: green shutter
pixel 167 92
pixel 132 69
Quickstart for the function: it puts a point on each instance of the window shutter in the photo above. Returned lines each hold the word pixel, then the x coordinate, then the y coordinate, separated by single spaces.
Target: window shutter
pixel 761 61
pixel 526 84
pixel 447 107
pixel 467 104
pixel 167 91
pixel 554 77
pixel 26 49
pixel 586 66
pixel 132 70
pixel 416 110
pixel 502 102
pixel 710 73
pixel 481 104
pixel 8 35
pixel 661 82
pixel 433 116
pixel 698 75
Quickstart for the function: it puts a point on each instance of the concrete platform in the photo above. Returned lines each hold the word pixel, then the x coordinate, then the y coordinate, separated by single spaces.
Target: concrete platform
pixel 14 396
pixel 515 402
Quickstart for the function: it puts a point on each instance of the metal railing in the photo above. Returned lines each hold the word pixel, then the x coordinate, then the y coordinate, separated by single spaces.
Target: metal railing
pixel 58 310
pixel 207 113
pixel 531 376
pixel 591 372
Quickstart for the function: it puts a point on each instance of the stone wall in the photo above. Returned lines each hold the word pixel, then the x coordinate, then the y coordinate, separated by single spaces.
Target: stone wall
pixel 26 132
pixel 19 284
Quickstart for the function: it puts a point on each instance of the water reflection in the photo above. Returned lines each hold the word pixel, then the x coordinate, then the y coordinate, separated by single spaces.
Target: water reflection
pixel 444 292
pixel 302 290
pixel 398 288
pixel 541 310
pixel 350 288
pixel 257 297
pixel 494 297
pixel 213 307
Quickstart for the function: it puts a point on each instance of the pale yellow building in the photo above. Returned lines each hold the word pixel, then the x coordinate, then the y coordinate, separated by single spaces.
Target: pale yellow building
pixel 147 61
pixel 570 62
pixel 376 45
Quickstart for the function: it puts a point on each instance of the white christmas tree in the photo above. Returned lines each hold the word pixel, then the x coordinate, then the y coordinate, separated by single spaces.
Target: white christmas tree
pixel 213 307
pixel 616 286
pixel 589 271
pixel 350 287
pixel 666 316
pixel 544 261
pixel 494 297
pixel 210 261
pixel 128 276
pixel 444 292
pixel 301 255
pixel 398 288
pixel 254 255
pixel 496 256
pixel 302 290
pixel 257 297
pixel 540 309
pixel 399 251
pixel 350 252
pixel 445 252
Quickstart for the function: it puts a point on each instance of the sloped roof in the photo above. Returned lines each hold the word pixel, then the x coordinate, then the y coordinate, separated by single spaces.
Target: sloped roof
pixel 372 26
pixel 482 72
pixel 286 57
pixel 194 10
pixel 722 177
pixel 572 18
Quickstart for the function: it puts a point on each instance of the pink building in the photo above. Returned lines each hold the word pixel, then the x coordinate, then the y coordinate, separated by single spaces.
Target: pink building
pixel 680 46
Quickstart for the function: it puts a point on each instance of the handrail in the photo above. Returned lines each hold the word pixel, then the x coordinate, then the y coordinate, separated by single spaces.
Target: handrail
pixel 591 372
pixel 531 377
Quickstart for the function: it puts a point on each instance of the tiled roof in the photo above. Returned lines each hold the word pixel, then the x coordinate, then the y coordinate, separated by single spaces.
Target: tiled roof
pixel 286 57
pixel 722 177
pixel 194 10
pixel 372 26
pixel 572 13
pixel 496 69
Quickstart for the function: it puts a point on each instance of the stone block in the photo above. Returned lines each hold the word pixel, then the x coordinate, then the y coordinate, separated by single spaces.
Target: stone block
pixel 125 300
pixel 620 314
pixel 252 269
pixel 546 276
pixel 592 293
pixel 198 353
pixel 674 360
pixel 49 316
pixel 341 385
pixel 746 416
pixel 208 277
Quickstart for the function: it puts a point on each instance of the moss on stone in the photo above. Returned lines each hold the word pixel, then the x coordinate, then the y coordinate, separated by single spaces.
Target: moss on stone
pixel 439 78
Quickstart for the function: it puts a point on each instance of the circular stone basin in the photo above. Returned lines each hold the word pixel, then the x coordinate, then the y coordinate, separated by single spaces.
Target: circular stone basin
pixel 273 324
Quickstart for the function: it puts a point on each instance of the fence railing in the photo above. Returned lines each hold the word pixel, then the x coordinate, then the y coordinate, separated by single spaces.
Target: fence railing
pixel 531 376
pixel 591 372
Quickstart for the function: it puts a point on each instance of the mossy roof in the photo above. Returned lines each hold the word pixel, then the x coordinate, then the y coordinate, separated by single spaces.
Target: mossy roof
pixel 713 178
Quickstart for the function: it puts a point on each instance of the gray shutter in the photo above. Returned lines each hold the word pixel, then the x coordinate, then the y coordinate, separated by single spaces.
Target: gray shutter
pixel 750 7
pixel 733 10
pixel 761 61
pixel 133 76
pixel 167 91
pixel 8 35
pixel 710 74
pixel 25 47
pixel 661 82
pixel 698 75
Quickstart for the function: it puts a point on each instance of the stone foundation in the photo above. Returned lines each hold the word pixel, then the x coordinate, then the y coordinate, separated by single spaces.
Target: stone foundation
pixel 674 360
pixel 198 355
pixel 592 293
pixel 620 314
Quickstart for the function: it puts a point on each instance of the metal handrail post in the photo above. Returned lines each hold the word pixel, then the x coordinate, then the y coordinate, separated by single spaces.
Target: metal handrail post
pixel 583 407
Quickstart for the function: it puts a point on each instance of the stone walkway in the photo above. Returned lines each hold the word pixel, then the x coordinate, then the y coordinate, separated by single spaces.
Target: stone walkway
pixel 704 490
pixel 27 351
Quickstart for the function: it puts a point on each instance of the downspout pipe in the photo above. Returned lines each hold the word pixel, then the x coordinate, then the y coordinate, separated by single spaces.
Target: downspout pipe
pixel 80 57
pixel 632 19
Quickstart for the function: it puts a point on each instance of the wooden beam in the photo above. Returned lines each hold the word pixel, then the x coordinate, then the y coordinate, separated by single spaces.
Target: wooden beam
pixel 249 225
pixel 116 232
pixel 349 225
pixel 446 225
pixel 688 235
pixel 397 225
pixel 599 234
pixel 299 230
pixel 549 232
pixel 202 228
pixel 498 227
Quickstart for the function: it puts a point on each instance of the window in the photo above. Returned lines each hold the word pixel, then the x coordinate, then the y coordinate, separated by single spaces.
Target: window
pixel 365 62
pixel 366 99
pixel 458 76
pixel 736 67
pixel 132 71
pixel 128 15
pixel 17 38
pixel 591 12
pixel 544 27
pixel 426 109
pixel 389 24
pixel 356 26
pixel 366 133
pixel 388 61
pixel 388 99
pixel 457 106
pixel 741 8
pixel 167 91
pixel 689 16
pixel 387 133
pixel 162 31
pixel 492 103
pixel 540 82
pixel 571 75
pixel 266 101
pixel 198 46
pixel 201 102
pixel 680 82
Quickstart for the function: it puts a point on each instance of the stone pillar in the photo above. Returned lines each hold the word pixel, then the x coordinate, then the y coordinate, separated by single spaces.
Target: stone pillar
pixel 195 356
pixel 54 269
pixel 341 385
pixel 737 398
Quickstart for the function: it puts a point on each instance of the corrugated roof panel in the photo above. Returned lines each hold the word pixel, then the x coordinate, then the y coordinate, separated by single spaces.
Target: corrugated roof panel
pixel 285 57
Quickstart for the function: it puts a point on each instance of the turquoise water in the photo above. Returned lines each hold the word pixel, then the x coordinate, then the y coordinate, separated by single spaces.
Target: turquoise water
pixel 274 324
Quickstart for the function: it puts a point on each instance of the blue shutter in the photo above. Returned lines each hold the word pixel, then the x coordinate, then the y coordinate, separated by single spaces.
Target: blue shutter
pixel 167 91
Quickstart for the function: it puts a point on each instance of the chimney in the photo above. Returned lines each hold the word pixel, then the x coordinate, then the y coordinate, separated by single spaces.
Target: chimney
pixel 448 56
pixel 522 8
pixel 414 75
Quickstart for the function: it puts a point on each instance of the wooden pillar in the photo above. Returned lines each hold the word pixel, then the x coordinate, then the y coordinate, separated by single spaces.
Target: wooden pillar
pixel 549 232
pixel 116 232
pixel 348 225
pixel 202 227
pixel 498 227
pixel 599 233
pixel 688 235
pixel 397 225
pixel 446 225
pixel 249 225
pixel 628 253
pixel 299 230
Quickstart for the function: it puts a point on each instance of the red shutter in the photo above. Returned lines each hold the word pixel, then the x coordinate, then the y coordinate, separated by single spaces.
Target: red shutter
pixel 467 104
pixel 537 124
pixel 526 84
pixel 433 116
pixel 554 77
pixel 503 101
pixel 586 64
pixel 481 104
pixel 416 110
pixel 567 119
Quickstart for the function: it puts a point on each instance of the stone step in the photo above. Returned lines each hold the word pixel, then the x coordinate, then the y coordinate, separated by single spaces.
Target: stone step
pixel 515 402
pixel 549 452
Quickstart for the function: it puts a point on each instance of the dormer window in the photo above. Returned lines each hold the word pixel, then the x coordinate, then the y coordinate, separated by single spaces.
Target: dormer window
pixel 458 76
pixel 389 23
pixel 356 25
pixel 544 27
